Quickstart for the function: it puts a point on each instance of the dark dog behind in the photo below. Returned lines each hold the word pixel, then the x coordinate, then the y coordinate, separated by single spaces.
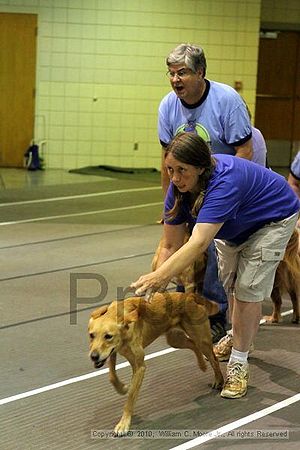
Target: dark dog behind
pixel 287 280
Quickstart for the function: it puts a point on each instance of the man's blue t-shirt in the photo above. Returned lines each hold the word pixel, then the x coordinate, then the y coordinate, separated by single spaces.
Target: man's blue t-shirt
pixel 295 167
pixel 243 195
pixel 220 118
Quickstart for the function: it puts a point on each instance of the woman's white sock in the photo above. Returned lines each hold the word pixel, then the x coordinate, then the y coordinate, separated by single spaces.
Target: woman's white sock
pixel 237 356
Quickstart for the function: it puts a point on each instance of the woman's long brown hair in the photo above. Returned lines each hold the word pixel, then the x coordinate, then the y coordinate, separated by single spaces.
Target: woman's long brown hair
pixel 189 148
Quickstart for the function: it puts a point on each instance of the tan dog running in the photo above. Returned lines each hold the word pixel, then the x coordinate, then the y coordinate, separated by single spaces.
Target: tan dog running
pixel 128 326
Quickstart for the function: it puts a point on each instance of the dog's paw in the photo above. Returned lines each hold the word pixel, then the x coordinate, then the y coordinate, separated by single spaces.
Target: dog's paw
pixel 122 428
pixel 218 384
pixel 124 389
pixel 270 320
pixel 121 388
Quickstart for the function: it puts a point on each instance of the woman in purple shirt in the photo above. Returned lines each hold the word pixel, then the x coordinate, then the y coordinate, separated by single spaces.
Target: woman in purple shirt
pixel 251 213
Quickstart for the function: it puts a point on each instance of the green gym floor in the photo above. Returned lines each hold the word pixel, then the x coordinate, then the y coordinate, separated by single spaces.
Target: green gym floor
pixel 72 241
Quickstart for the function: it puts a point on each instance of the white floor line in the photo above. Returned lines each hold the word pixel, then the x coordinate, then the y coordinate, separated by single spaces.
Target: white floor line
pixel 72 197
pixel 88 213
pixel 238 423
pixel 87 376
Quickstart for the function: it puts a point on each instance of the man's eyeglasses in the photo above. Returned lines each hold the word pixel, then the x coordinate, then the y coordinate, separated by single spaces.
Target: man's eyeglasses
pixel 182 73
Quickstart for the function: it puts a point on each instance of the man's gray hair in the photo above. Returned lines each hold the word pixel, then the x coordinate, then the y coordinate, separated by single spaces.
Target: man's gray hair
pixel 190 55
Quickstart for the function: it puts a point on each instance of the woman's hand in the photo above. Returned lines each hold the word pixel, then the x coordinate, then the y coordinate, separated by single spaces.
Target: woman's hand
pixel 202 235
pixel 150 283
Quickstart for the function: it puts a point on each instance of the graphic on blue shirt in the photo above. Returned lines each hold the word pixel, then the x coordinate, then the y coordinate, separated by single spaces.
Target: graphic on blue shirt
pixel 193 126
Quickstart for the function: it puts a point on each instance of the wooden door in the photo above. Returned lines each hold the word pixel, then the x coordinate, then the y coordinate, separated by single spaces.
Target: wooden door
pixel 296 118
pixel 277 112
pixel 17 86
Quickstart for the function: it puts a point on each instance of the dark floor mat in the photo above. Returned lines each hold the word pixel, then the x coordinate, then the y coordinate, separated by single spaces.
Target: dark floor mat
pixel 127 173
pixel 127 169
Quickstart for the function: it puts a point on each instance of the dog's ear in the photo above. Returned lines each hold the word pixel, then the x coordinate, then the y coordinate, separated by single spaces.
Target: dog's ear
pixel 210 306
pixel 99 312
pixel 131 316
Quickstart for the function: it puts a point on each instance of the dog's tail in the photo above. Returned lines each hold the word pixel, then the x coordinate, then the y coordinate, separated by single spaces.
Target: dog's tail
pixel 292 256
pixel 211 307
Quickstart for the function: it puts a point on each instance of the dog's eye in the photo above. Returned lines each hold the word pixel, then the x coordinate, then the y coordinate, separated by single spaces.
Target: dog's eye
pixel 108 336
pixel 92 335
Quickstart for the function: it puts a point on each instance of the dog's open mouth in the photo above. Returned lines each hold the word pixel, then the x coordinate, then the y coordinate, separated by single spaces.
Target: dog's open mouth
pixel 100 362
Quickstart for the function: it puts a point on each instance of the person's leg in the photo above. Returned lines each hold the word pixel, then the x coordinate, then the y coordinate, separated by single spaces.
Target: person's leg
pixel 258 261
pixel 213 290
pixel 245 316
pixel 245 324
pixel 227 261
pixel 222 349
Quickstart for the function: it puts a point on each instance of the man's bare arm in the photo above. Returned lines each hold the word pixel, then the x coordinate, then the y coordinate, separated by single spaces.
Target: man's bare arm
pixel 294 183
pixel 245 150
pixel 165 181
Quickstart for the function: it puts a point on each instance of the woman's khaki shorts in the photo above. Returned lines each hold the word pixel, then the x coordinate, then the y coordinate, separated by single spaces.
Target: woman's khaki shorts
pixel 249 269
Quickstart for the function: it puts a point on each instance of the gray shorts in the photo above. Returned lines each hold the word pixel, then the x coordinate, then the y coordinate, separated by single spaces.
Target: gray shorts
pixel 249 269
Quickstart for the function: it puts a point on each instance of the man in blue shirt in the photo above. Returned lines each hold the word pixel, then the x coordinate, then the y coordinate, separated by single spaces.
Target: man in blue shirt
pixel 217 113
pixel 214 110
